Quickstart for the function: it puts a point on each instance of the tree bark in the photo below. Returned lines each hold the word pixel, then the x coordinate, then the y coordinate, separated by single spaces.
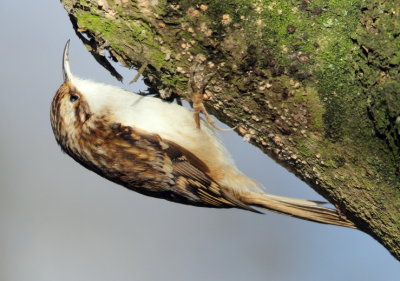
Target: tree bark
pixel 313 84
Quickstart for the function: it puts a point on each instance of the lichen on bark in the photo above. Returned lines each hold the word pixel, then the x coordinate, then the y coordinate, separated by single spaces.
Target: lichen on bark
pixel 314 84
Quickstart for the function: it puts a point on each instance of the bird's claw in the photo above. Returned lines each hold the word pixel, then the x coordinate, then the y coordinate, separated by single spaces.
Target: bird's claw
pixel 197 89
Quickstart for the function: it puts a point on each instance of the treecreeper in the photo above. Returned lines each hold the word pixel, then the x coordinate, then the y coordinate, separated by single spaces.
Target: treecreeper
pixel 159 149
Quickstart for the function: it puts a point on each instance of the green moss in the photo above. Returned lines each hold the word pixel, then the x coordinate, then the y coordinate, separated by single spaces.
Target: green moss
pixel 320 28
pixel 303 149
pixel 332 59
pixel 378 68
pixel 316 111
pixel 174 81
pixel 137 31
pixel 98 23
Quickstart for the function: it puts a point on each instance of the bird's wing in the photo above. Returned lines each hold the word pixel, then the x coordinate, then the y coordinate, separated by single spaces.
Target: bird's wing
pixel 191 177
pixel 191 182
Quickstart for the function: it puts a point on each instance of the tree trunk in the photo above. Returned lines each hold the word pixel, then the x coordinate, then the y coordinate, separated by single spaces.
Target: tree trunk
pixel 314 84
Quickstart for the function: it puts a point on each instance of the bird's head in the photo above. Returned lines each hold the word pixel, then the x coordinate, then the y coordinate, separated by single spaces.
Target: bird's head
pixel 79 100
pixel 70 108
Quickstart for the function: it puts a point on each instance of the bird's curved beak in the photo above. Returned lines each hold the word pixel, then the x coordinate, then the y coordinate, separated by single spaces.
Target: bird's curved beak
pixel 66 69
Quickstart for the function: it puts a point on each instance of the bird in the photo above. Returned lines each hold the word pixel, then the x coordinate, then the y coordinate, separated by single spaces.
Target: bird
pixel 157 149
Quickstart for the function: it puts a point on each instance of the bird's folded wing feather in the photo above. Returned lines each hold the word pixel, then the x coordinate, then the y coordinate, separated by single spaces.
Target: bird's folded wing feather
pixel 190 174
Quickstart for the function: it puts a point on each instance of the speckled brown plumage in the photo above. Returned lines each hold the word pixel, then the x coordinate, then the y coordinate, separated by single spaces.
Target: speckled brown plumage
pixel 141 162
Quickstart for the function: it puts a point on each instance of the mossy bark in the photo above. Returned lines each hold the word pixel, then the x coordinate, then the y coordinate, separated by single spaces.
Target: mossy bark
pixel 314 84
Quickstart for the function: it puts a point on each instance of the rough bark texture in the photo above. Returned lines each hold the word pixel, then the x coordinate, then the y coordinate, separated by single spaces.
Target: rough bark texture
pixel 314 84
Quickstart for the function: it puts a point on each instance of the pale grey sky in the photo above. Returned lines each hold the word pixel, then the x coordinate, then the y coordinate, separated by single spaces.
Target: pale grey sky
pixel 60 221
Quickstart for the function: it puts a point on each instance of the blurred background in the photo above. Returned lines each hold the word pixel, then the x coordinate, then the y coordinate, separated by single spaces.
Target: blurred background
pixel 59 221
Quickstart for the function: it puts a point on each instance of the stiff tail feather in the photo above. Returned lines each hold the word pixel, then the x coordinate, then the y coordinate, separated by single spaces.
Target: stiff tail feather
pixel 299 208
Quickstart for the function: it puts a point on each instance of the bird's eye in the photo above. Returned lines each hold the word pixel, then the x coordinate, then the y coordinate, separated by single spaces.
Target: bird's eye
pixel 73 98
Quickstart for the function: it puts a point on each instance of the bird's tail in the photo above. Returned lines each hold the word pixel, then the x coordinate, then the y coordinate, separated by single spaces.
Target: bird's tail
pixel 299 208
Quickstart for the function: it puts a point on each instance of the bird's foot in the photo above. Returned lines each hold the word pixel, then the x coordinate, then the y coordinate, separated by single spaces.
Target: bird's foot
pixel 197 83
